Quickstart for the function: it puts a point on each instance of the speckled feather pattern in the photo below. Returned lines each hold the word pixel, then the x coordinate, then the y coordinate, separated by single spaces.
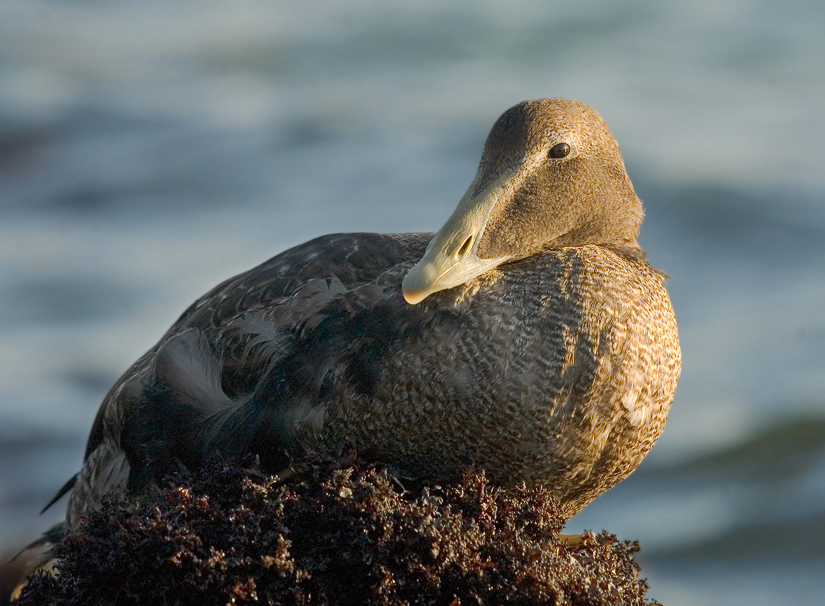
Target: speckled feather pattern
pixel 557 369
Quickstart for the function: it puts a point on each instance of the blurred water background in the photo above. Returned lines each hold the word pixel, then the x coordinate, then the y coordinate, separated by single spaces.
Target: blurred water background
pixel 148 150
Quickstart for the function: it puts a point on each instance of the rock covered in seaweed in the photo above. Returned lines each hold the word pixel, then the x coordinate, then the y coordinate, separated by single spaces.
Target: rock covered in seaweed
pixel 336 535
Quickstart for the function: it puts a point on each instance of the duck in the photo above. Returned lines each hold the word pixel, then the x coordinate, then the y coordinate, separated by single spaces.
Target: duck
pixel 529 337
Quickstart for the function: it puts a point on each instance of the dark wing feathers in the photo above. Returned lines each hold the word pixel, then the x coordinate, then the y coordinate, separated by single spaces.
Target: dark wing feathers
pixel 324 323
pixel 161 406
pixel 192 391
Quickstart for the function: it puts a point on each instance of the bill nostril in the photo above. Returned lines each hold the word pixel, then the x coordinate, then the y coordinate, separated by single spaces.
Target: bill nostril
pixel 465 248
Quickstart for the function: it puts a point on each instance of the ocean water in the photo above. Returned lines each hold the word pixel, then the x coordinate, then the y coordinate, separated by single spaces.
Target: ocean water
pixel 150 150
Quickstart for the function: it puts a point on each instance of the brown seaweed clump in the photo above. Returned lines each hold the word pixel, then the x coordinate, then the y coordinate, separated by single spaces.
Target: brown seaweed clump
pixel 336 535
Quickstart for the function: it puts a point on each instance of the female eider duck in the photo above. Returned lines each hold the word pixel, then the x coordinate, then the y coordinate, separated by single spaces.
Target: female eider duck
pixel 529 337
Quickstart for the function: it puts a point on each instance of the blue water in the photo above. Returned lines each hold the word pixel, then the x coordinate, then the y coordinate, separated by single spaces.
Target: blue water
pixel 150 150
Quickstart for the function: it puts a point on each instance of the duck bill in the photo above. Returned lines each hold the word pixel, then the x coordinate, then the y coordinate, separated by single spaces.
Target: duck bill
pixel 450 259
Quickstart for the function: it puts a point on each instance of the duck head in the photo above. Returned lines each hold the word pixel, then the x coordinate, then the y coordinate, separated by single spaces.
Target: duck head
pixel 551 174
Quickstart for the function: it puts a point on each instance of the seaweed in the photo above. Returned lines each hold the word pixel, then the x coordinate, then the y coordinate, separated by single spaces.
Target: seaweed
pixel 338 533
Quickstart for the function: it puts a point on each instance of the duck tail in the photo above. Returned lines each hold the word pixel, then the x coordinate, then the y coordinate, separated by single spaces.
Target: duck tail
pixel 38 555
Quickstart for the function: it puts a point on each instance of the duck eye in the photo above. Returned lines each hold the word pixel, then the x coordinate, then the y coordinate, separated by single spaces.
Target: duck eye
pixel 560 150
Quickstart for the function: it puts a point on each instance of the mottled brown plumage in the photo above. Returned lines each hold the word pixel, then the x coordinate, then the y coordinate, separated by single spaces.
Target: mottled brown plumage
pixel 541 346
